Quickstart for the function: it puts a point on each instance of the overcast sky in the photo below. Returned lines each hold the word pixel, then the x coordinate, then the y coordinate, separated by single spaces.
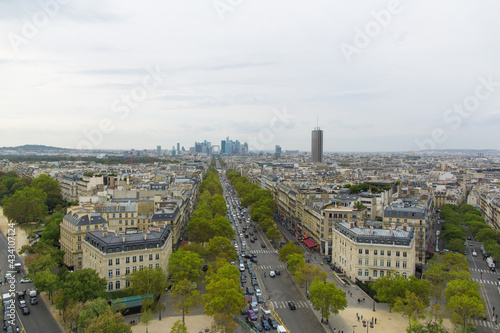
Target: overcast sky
pixel 375 75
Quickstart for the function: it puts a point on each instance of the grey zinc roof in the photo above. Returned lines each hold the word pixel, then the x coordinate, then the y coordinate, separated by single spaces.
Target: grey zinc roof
pixel 127 242
pixel 376 236
pixel 95 218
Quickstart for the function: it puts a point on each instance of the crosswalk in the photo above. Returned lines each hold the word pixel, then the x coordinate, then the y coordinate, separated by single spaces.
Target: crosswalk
pixel 264 251
pixel 484 271
pixel 284 304
pixel 485 323
pixel 483 281
pixel 271 267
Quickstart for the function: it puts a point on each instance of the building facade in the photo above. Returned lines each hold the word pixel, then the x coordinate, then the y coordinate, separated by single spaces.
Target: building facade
pixel 368 253
pixel 115 256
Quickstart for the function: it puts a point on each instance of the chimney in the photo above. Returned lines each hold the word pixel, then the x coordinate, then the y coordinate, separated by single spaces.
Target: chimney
pixel 351 225
pixel 405 226
pixel 105 232
pixel 371 230
pixel 390 231
pixel 123 237
pixel 393 225
pixel 145 234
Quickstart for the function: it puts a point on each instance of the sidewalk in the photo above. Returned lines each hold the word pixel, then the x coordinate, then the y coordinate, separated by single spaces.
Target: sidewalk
pixel 21 237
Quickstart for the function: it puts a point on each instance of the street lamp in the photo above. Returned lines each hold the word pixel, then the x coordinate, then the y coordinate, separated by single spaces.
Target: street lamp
pixel 353 327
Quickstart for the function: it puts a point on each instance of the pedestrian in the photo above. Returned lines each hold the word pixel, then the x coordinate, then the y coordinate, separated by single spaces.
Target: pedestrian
pixel 361 317
pixel 363 299
pixel 372 319
pixel 375 320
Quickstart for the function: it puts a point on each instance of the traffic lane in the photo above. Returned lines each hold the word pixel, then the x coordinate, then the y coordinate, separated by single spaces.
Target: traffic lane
pixel 282 289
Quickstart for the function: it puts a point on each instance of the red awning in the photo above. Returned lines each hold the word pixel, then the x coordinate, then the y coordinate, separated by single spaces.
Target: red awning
pixel 310 243
pixel 304 235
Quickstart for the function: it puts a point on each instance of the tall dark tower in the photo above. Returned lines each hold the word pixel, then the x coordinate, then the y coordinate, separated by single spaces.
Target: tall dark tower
pixel 317 145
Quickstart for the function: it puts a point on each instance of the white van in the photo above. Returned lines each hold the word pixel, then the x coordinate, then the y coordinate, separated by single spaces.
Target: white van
pixel 281 329
pixel 242 266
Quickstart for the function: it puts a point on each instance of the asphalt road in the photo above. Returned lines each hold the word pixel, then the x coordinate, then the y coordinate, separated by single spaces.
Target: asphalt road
pixel 40 319
pixel 488 282
pixel 277 291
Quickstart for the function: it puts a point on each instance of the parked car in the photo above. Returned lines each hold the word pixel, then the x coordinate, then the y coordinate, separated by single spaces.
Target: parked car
pixel 272 322
pixel 26 311
pixel 265 323
pixel 260 299
pixel 474 253
pixel 33 301
pixel 26 280
pixel 258 292
pixel 251 315
pixel 250 290
pixel 292 306
pixel 257 326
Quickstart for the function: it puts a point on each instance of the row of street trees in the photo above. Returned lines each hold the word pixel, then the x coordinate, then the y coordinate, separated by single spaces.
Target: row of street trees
pixel 263 205
pixel 325 295
pixel 210 234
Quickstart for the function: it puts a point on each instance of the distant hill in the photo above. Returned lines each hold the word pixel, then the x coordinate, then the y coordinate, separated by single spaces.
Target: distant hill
pixel 36 149
pixel 463 151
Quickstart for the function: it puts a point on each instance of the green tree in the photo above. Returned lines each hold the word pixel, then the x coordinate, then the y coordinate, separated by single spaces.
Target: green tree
pixel 273 233
pixel 307 273
pixel 411 307
pixel 45 281
pixel 185 297
pixel 463 309
pixel 51 188
pixel 81 286
pixel 327 298
pixel 52 232
pixel 108 322
pixel 147 312
pixel 287 250
pixel 37 263
pixel 221 247
pixel 295 262
pixel 92 309
pixel 149 281
pixel 461 287
pixel 26 205
pixel 179 327
pixel 389 288
pixel 185 265
pixel 456 245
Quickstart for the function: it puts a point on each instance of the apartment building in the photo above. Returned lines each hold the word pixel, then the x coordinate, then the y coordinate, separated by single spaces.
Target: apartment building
pixel 449 194
pixel 120 215
pixel 74 227
pixel 174 213
pixel 114 256
pixel 368 253
pixel 415 214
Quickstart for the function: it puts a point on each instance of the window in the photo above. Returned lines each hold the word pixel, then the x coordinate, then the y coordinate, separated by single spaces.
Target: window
pixel 110 272
pixel 117 261
pixel 360 261
pixel 381 252
pixel 367 261
pixel 134 268
pixel 381 273
pixel 360 272
pixel 404 264
pixel 397 253
pixel 127 270
pixel 127 283
pixel 367 251
pixel 151 266
pixel 404 254
pixel 157 256
pixel 79 238
pixel 110 262
pixel 404 275
pixel 375 252
pixel 79 246
pixel 360 251
pixel 117 272
pixel 367 272
pixel 157 265
pixel 110 286
pixel 388 263
pixel 141 258
pixel 141 267
pixel 117 284
pixel 388 253
pixel 382 262
pixel 374 262
pixel 374 274
pixel 127 260
pixel 397 263
pixel 134 259
pixel 150 257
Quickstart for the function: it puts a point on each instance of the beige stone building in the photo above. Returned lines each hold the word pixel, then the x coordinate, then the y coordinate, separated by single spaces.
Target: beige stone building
pixel 120 215
pixel 369 253
pixel 114 256
pixel 74 227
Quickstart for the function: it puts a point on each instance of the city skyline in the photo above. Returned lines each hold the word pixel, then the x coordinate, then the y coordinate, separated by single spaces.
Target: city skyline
pixel 380 75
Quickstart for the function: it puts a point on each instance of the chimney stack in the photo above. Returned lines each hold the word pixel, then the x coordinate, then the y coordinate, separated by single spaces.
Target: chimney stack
pixel 123 237
pixel 145 234
pixel 390 231
pixel 351 225
pixel 371 230
pixel 405 226
pixel 105 232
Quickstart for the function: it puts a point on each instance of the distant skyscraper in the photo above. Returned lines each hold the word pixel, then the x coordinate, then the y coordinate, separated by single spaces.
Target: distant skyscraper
pixel 317 146
pixel 158 150
pixel 277 150
pixel 178 147
pixel 223 146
